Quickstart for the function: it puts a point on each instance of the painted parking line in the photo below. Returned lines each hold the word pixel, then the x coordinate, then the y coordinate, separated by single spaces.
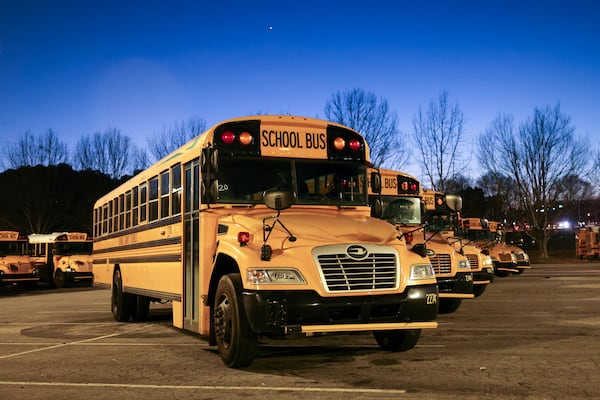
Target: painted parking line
pixel 78 342
pixel 203 387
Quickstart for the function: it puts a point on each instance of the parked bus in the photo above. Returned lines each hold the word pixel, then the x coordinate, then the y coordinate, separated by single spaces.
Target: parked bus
pixel 259 227
pixel 62 257
pixel 588 242
pixel 477 231
pixel 523 262
pixel 15 267
pixel 400 202
pixel 442 220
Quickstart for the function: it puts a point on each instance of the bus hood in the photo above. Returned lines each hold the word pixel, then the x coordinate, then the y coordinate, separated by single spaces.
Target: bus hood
pixel 318 226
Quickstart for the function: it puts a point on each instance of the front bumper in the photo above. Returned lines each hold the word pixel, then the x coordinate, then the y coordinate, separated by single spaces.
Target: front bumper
pixel 283 312
pixel 458 287
pixel 483 277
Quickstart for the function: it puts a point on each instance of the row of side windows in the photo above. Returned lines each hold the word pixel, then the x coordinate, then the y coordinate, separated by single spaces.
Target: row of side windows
pixel 157 198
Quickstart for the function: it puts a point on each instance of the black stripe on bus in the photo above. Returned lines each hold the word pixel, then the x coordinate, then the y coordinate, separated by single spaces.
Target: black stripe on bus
pixel 156 294
pixel 141 245
pixel 146 259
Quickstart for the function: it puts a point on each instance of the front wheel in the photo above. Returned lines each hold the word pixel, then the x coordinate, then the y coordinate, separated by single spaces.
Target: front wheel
pixel 60 279
pixel 400 340
pixel 236 341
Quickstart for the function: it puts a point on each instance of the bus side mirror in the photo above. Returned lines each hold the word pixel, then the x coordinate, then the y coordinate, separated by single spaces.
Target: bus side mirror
pixel 209 167
pixel 278 199
pixel 454 202
pixel 377 208
pixel 375 182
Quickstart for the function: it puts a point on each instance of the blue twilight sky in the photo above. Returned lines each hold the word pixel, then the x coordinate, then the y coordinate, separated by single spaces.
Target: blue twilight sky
pixel 83 66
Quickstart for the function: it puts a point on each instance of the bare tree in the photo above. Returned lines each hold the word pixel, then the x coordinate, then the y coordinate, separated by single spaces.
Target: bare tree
pixel 370 116
pixel 45 149
pixel 108 152
pixel 171 138
pixel 438 135
pixel 539 157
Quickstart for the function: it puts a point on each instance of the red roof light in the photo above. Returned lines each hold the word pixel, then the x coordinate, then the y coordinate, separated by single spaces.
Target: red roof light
pixel 228 137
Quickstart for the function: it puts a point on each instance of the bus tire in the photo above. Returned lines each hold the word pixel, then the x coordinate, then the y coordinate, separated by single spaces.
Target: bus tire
pixel 478 290
pixel 399 340
pixel 142 308
pixel 60 279
pixel 236 341
pixel 448 306
pixel 123 304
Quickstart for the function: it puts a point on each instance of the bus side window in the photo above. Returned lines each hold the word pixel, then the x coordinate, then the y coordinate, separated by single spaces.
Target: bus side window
pixel 153 199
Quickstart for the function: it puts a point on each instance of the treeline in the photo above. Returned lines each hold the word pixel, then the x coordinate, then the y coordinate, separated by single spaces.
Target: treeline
pixel 44 199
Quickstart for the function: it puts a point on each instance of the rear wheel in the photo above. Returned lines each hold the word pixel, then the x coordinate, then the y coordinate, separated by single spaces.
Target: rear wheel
pixel 448 306
pixel 236 341
pixel 400 340
pixel 123 304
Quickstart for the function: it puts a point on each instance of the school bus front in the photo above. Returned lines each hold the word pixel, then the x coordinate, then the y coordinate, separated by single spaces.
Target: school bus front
pixel 15 265
pixel 272 236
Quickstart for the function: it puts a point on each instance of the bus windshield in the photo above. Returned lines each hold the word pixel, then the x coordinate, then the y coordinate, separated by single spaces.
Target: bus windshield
pixel 402 210
pixel 12 248
pixel 243 180
pixel 73 248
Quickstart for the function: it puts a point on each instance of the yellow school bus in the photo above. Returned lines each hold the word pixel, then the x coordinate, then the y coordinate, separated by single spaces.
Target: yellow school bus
pixel 442 220
pixel 260 227
pixel 400 202
pixel 15 266
pixel 477 231
pixel 62 257
pixel 523 262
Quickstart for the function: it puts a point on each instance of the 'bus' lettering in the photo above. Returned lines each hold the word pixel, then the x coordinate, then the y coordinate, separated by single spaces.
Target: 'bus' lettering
pixel 390 183
pixel 315 140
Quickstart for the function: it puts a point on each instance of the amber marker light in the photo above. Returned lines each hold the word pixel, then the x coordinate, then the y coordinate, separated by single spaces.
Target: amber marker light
pixel 339 143
pixel 245 138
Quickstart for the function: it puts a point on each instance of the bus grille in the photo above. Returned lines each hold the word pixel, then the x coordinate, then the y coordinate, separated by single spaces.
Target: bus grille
pixel 441 263
pixel 473 260
pixel 342 272
pixel 520 256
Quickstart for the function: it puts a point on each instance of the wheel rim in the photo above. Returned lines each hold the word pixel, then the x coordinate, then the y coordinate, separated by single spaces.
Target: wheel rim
pixel 222 321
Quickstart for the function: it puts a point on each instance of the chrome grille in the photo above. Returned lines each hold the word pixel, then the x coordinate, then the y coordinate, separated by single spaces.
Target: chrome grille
pixel 376 270
pixel 441 263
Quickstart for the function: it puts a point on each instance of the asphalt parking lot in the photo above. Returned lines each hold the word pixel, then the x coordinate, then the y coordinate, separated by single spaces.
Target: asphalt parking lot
pixel 535 335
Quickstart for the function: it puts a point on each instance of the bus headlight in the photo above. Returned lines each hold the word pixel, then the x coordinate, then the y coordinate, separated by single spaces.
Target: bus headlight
pixel 274 276
pixel 421 271
pixel 464 264
pixel 486 262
